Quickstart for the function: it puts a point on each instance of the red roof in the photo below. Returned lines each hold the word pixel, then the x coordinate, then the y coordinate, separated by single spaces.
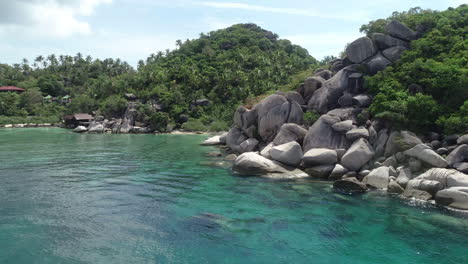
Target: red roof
pixel 11 89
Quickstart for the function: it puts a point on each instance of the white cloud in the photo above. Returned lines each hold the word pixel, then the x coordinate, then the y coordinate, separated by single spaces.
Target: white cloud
pixel 51 18
pixel 355 15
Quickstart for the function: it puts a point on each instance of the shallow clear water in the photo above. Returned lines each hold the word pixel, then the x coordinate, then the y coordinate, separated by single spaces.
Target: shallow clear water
pixel 69 198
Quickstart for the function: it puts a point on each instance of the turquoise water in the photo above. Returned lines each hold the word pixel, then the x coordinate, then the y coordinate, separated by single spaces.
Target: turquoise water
pixel 70 198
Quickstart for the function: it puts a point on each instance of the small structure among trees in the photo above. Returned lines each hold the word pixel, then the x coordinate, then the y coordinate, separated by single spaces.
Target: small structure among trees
pixel 11 89
pixel 72 121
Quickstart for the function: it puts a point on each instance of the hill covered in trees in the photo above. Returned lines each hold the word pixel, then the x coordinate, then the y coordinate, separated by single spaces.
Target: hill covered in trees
pixel 225 67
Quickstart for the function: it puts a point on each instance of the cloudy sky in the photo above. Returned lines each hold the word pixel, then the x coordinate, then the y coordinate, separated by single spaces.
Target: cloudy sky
pixel 133 29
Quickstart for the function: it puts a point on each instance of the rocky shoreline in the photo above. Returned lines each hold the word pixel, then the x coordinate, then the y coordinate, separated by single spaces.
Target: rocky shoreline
pixel 345 145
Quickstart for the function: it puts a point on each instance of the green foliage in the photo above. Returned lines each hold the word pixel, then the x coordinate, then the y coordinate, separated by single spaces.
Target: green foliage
pixel 437 62
pixel 158 121
pixel 51 84
pixel 194 125
pixel 113 106
pixel 82 104
pixel 218 126
pixel 310 117
pixel 9 105
pixel 455 122
pixel 5 120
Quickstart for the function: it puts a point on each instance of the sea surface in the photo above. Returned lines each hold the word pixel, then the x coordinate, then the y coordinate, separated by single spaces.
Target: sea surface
pixel 79 198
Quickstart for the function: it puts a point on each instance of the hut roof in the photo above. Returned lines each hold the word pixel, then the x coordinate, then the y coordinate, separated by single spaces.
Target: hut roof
pixel 11 89
pixel 83 117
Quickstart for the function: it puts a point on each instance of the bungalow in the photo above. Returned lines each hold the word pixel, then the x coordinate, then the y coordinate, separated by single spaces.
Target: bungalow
pixel 11 89
pixel 75 120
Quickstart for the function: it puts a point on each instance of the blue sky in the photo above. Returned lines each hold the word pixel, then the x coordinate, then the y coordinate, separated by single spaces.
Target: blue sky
pixel 133 29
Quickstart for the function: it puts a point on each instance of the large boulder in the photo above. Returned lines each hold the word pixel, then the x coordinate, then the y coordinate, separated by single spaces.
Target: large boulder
pixel 384 42
pixel 212 141
pixel 80 129
pixel 462 140
pixel 343 126
pixel 290 132
pixel 321 171
pixel 357 133
pixel 95 128
pixel 273 112
pixel 321 135
pixel 326 98
pixel 394 53
pixel 360 49
pixel 325 74
pixel 320 156
pixel 251 163
pixel 288 153
pixel 417 194
pixel 245 119
pixel 399 141
pixel 357 155
pixel 234 138
pixel 378 178
pixel 310 85
pixel 398 30
pixel 129 118
pixel 458 155
pixel 427 155
pixel 437 179
pixel 248 145
pixel 380 143
pixel 295 97
pixel 430 186
pixel 349 185
pixel 362 100
pixel 404 177
pixel 394 187
pixel 456 197
pixel 337 172
pixel 377 63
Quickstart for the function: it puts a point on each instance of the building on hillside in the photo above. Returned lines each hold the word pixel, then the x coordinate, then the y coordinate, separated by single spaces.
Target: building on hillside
pixel 13 89
pixel 72 121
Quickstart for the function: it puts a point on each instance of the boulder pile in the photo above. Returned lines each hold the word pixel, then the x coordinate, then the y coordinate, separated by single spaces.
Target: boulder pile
pixel 344 145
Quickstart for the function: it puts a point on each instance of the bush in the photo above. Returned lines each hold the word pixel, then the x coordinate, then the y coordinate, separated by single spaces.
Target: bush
pixel 158 121
pixel 4 120
pixel 113 106
pixel 218 126
pixel 194 125
pixel 310 117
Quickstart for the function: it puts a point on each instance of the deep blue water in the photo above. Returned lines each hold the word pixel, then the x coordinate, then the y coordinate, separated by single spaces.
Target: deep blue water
pixel 71 198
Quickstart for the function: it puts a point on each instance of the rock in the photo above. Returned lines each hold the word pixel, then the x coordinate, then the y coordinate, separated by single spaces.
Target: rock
pixel 234 138
pixel 248 145
pixel 381 142
pixel 202 102
pixel 400 31
pixel 212 141
pixel 80 129
pixel 404 177
pixel 429 186
pixel 417 194
pixel 322 171
pixel 246 120
pixel 452 139
pixel 390 162
pixel 141 130
pixel 459 154
pixel 446 177
pixel 337 172
pixel 357 133
pixel 442 151
pixel 415 88
pixel 456 197
pixel 414 164
pixel 325 74
pixel 377 63
pixel 462 140
pixel 357 155
pixel 343 126
pixel 364 173
pixel 289 153
pixel 326 98
pixel 251 163
pixel 266 150
pixel 230 157
pixel 394 53
pixel 384 42
pixel 392 172
pixel 311 84
pixel 340 153
pixel 372 136
pixel 95 128
pixel 319 156
pixel 273 112
pixel 213 154
pixel 295 97
pixel 436 144
pixel 360 49
pixel 321 135
pixel 129 118
pixel 427 155
pixel 223 138
pixel 362 100
pixel 130 96
pixel 345 100
pixel 394 187
pixel 337 66
pixel 349 185
pixel 290 132
pixel 461 167
pixel 378 178
pixel 400 157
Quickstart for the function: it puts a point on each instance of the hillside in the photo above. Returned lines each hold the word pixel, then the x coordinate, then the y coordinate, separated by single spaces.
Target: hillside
pixel 225 67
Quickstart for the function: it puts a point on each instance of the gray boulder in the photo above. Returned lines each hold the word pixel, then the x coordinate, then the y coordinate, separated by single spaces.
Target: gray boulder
pixel 95 128
pixel 357 155
pixel 360 49
pixel 456 197
pixel 290 132
pixel 384 42
pixel 234 138
pixel 462 140
pixel 319 156
pixel 458 155
pixel 266 150
pixel 343 126
pixel 349 185
pixel 381 142
pixel 212 141
pixel 273 112
pixel 394 53
pixel 129 118
pixel 245 119
pixel 80 129
pixel 394 187
pixel 325 74
pixel 289 153
pixel 417 194
pixel 461 167
pixel 251 163
pixel 337 172
pixel 311 84
pixel 322 171
pixel 248 145
pixel 398 30
pixel 415 165
pixel 427 155
pixel 377 63
pixel 378 178
pixel 321 135
pixel 430 186
pixel 357 133
pixel 404 177
pixel 399 141
pixel 345 100
pixel 362 100
pixel 295 97
pixel 446 177
pixel 327 96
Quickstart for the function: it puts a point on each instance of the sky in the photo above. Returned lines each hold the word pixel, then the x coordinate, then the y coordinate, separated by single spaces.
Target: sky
pixel 133 29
